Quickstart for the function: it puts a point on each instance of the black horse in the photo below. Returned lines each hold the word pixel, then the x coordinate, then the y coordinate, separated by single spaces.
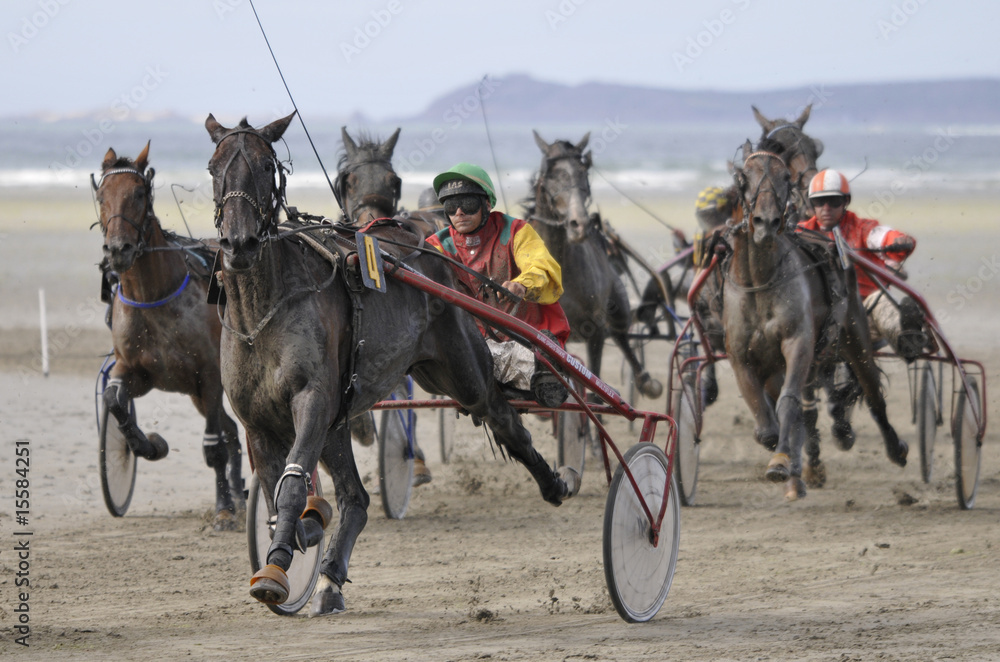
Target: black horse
pixel 595 299
pixel 304 352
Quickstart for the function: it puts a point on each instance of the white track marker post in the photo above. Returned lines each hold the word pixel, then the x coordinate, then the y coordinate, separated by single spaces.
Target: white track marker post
pixel 45 332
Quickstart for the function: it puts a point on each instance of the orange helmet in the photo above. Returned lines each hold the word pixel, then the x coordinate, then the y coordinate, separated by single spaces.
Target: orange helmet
pixel 827 183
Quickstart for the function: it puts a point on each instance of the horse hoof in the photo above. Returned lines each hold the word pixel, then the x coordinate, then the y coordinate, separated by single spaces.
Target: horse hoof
pixel 843 434
pixel 768 441
pixel 421 474
pixel 795 489
pixel 899 456
pixel 269 585
pixel 777 468
pixel 815 477
pixel 225 520
pixel 363 430
pixel 327 598
pixel 573 480
pixel 649 387
pixel 319 509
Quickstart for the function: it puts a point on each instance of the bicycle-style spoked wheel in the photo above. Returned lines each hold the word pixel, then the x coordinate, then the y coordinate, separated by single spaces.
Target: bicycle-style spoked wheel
pixel 395 464
pixel 574 440
pixel 688 444
pixel 304 571
pixel 927 420
pixel 117 462
pixel 964 430
pixel 638 573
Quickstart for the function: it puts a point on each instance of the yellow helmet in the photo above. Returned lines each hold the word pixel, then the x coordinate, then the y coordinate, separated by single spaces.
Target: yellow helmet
pixel 711 199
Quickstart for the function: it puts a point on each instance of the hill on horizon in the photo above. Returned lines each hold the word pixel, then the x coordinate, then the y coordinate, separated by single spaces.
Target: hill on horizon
pixel 521 99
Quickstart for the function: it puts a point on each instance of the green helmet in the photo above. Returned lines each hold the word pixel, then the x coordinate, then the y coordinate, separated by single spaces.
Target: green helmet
pixel 468 173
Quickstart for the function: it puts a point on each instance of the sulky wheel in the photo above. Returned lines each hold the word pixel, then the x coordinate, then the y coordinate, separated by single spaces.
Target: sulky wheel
pixel 965 430
pixel 116 461
pixel 927 420
pixel 446 431
pixel 637 573
pixel 303 572
pixel 574 438
pixel 688 445
pixel 395 464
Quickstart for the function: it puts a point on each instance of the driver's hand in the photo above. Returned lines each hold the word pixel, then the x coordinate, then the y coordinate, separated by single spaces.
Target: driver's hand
pixel 515 288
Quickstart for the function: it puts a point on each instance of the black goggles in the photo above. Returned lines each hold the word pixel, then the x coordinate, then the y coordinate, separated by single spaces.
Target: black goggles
pixel 835 201
pixel 467 202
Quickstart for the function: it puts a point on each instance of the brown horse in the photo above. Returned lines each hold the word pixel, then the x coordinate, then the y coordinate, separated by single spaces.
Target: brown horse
pixel 165 336
pixel 776 313
pixel 594 297
pixel 304 352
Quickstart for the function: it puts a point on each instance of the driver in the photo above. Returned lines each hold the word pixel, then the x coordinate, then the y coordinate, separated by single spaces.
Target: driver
pixel 901 325
pixel 510 252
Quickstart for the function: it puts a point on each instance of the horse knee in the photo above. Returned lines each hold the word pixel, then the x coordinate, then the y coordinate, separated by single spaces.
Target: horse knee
pixel 116 399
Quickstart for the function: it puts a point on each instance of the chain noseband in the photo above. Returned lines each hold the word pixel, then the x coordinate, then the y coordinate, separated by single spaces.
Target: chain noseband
pixel 265 220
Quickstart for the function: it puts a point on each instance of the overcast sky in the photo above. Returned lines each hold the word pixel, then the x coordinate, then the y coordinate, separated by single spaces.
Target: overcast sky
pixel 390 58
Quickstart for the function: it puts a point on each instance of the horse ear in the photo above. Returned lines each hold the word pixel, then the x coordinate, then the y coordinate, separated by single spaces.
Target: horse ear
pixel 580 146
pixel 542 145
pixel 215 130
pixel 747 149
pixel 765 123
pixel 349 145
pixel 389 145
pixel 109 159
pixel 273 131
pixel 143 159
pixel 804 116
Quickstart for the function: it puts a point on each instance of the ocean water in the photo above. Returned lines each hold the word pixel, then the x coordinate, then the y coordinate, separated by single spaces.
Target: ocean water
pixel 650 159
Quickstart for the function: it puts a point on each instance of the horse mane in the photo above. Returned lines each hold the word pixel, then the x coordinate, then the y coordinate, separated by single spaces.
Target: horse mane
pixel 771 145
pixel 367 143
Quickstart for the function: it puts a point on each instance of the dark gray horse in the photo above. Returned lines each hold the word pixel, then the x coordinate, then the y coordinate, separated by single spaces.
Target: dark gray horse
pixel 303 353
pixel 594 297
pixel 799 152
pixel 165 336
pixel 776 313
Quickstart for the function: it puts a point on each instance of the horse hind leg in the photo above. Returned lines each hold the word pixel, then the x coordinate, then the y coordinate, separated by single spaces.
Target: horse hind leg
pixel 221 449
pixel 118 401
pixel 352 503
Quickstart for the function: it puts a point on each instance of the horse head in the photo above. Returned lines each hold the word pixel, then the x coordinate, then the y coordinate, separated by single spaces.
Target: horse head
pixel 798 150
pixel 248 185
pixel 125 200
pixel 367 187
pixel 562 186
pixel 764 184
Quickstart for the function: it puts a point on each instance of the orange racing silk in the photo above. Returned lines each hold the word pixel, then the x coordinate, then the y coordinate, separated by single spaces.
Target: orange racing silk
pixel 867 237
pixel 508 249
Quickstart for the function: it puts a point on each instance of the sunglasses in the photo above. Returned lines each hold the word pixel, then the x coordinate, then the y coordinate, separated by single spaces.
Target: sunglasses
pixel 468 203
pixel 834 202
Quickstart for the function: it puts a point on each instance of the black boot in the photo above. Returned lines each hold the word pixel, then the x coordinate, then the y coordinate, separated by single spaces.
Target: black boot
pixel 546 387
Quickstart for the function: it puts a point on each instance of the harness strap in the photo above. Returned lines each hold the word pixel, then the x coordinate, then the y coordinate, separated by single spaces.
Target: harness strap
pixel 154 304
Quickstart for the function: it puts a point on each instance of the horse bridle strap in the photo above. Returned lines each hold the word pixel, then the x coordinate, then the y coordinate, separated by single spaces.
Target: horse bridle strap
pixel 142 229
pixel 265 220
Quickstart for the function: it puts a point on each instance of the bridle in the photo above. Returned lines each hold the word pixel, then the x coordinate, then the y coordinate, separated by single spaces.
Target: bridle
pixel 340 186
pixel 549 197
pixel 750 205
pixel 143 228
pixel 801 182
pixel 266 211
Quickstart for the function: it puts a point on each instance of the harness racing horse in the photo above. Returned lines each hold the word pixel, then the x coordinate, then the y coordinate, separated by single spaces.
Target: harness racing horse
pixel 799 152
pixel 165 336
pixel 304 352
pixel 778 321
pixel 594 297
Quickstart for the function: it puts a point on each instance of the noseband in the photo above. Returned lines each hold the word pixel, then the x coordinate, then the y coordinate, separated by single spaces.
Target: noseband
pixel 265 213
pixel 144 228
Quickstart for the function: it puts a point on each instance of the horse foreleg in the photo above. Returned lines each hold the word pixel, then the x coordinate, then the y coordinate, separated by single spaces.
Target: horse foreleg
pixel 761 407
pixel 118 394
pixel 312 416
pixel 798 355
pixel 352 502
pixel 814 473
